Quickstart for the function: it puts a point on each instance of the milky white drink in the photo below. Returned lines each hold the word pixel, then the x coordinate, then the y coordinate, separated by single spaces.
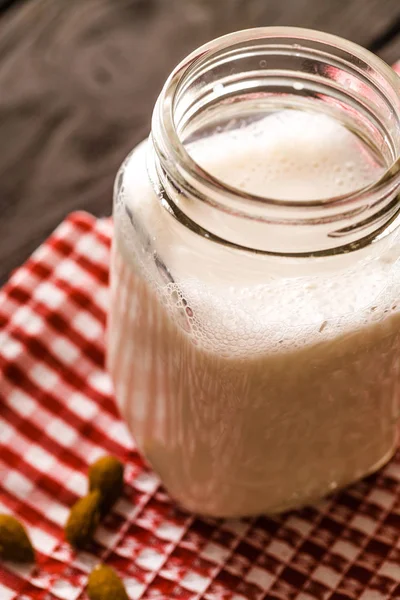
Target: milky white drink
pixel 253 387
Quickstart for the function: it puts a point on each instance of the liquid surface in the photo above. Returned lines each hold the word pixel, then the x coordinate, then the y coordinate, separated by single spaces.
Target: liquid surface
pixel 292 155
pixel 251 391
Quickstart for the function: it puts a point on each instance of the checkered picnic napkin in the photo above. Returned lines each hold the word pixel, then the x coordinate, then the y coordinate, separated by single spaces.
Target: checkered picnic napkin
pixel 57 416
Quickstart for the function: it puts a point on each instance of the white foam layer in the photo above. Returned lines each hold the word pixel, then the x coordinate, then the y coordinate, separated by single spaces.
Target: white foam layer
pixel 217 296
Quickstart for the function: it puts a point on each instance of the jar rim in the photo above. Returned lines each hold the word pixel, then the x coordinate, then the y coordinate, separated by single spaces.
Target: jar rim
pixel 164 126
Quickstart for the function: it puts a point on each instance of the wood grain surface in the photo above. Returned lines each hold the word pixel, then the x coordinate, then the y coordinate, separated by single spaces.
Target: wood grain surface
pixel 79 78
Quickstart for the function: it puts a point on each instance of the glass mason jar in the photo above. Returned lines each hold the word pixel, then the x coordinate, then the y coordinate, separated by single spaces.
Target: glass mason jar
pixel 253 337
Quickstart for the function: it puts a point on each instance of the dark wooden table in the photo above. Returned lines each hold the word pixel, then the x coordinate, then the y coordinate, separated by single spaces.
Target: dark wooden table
pixel 78 79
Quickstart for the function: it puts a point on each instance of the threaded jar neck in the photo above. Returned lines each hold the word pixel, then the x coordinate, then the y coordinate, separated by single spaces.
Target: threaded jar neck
pixel 244 77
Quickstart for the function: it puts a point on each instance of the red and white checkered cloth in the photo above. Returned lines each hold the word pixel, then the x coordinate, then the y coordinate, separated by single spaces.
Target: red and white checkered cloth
pixel 57 415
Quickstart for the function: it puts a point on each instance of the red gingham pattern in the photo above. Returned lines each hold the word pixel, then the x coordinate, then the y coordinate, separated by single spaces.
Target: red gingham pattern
pixel 57 415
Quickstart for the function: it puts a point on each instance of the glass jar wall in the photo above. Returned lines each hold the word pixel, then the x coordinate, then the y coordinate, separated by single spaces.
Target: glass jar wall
pixel 253 336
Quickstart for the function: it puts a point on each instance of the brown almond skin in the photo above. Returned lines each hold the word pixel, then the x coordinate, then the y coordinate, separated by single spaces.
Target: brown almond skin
pixel 15 544
pixel 104 584
pixel 83 520
pixel 107 476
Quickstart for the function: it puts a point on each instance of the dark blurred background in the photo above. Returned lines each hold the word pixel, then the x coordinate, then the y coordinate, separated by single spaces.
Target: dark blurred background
pixel 78 80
